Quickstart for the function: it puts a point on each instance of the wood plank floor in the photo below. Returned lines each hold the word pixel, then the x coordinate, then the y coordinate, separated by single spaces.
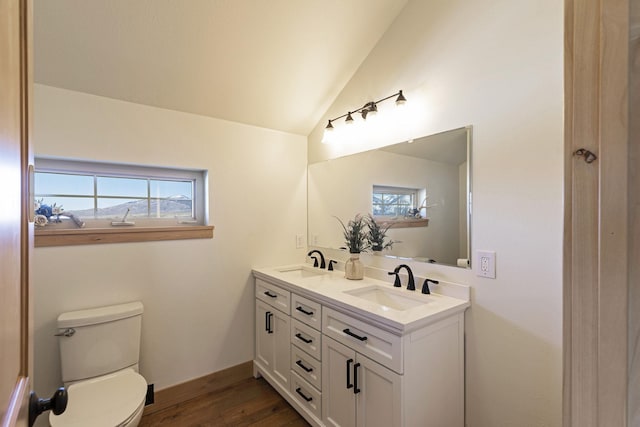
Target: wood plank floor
pixel 250 402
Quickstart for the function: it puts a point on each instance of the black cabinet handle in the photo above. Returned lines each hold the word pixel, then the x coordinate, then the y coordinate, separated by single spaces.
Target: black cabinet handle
pixel 267 322
pixel 299 363
pixel 270 324
pixel 299 391
pixel 303 339
pixel 356 390
pixel 349 383
pixel 302 310
pixel 358 337
pixel 270 295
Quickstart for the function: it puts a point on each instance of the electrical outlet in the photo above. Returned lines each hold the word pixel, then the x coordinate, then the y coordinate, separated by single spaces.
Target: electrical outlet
pixel 299 241
pixel 486 264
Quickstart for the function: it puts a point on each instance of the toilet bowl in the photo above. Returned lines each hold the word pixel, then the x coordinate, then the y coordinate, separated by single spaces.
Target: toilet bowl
pixel 99 354
pixel 114 400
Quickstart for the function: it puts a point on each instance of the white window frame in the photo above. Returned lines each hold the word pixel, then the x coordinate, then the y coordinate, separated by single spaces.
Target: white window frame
pixel 122 170
pixel 413 192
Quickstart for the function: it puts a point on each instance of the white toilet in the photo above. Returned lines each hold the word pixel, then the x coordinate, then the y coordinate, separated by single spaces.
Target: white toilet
pixel 99 352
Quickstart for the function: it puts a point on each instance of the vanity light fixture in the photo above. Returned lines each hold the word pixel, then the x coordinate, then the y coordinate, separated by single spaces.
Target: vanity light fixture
pixel 349 119
pixel 369 109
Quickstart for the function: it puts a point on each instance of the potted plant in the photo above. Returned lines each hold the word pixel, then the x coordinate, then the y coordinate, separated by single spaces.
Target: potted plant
pixel 377 234
pixel 355 237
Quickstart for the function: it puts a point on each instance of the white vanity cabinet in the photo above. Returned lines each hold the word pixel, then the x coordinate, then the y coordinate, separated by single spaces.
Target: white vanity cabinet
pixel 273 327
pixel 347 367
pixel 356 390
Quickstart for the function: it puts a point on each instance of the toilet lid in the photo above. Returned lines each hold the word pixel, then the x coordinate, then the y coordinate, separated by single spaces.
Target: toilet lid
pixel 104 401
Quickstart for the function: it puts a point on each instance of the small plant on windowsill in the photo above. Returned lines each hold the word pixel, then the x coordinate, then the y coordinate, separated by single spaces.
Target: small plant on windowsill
pixel 355 237
pixel 377 235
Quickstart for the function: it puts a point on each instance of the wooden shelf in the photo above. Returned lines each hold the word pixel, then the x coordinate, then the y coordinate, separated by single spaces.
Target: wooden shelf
pixel 70 237
pixel 405 223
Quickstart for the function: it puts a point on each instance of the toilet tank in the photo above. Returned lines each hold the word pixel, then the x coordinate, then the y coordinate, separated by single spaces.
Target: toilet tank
pixel 102 340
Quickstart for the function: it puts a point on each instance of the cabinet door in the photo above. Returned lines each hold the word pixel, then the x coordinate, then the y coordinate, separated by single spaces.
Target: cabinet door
pixel 378 404
pixel 338 397
pixel 264 336
pixel 272 341
pixel 281 325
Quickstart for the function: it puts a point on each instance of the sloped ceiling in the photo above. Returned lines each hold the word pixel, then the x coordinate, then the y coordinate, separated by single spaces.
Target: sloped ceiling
pixel 277 64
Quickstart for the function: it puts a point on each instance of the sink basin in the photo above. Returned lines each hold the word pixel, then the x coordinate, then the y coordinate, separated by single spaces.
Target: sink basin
pixel 388 298
pixel 301 272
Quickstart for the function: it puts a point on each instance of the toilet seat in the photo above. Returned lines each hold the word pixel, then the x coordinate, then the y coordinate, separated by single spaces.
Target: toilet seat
pixel 106 401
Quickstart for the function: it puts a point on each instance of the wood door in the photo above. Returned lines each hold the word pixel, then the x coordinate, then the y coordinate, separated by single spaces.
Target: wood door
pixel 596 232
pixel 15 232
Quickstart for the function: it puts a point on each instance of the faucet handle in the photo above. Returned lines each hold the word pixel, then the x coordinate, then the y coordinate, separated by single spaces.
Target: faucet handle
pixel 396 282
pixel 425 285
pixel 315 261
pixel 331 262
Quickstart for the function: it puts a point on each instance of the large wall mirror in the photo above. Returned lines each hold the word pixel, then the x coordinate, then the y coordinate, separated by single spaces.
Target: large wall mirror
pixel 423 190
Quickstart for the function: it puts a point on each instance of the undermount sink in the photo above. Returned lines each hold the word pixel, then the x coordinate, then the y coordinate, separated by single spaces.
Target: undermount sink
pixel 389 298
pixel 301 272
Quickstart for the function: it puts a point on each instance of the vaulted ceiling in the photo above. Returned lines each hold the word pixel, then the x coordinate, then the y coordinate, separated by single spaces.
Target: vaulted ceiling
pixel 277 64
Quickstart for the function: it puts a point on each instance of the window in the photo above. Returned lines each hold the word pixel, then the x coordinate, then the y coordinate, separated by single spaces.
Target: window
pixel 104 195
pixel 392 202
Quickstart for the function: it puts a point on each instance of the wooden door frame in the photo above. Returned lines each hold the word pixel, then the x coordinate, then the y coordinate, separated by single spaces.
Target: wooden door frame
pixel 16 411
pixel 595 272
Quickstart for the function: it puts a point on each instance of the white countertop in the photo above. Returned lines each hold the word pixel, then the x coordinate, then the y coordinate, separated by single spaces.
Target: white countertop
pixel 329 289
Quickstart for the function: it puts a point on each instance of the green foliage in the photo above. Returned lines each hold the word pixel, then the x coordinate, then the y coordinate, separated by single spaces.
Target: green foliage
pixel 377 234
pixel 355 234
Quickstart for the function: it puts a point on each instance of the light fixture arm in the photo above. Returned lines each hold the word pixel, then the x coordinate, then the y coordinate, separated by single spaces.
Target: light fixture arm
pixel 369 107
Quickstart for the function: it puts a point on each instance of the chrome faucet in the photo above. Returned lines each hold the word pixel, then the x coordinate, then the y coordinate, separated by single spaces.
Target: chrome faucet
pixel 315 260
pixel 425 285
pixel 411 286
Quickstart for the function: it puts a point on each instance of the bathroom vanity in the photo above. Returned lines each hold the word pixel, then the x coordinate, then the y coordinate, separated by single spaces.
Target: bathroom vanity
pixel 361 353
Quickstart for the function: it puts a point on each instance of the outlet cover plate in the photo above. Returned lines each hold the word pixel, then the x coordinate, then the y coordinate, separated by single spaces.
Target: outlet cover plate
pixel 486 265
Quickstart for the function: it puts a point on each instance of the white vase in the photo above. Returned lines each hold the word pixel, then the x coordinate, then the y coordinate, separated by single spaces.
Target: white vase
pixel 353 268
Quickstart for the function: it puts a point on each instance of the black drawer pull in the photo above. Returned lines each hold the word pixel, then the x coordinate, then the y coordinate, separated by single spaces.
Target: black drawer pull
pixel 302 310
pixel 299 363
pixel 356 390
pixel 349 383
pixel 268 315
pixel 299 391
pixel 303 339
pixel 270 295
pixel 358 337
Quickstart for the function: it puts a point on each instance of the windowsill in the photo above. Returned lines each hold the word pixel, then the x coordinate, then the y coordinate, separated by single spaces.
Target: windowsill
pixel 404 223
pixel 93 236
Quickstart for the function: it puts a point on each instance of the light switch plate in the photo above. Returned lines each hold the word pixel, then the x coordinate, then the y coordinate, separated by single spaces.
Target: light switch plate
pixel 299 241
pixel 486 265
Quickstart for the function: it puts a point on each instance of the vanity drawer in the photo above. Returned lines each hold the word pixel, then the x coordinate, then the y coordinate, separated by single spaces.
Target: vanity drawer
pixel 306 395
pixel 306 311
pixel 306 338
pixel 306 366
pixel 381 346
pixel 274 296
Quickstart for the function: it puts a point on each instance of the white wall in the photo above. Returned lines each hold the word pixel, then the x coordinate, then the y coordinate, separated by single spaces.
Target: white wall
pixel 496 65
pixel 198 294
